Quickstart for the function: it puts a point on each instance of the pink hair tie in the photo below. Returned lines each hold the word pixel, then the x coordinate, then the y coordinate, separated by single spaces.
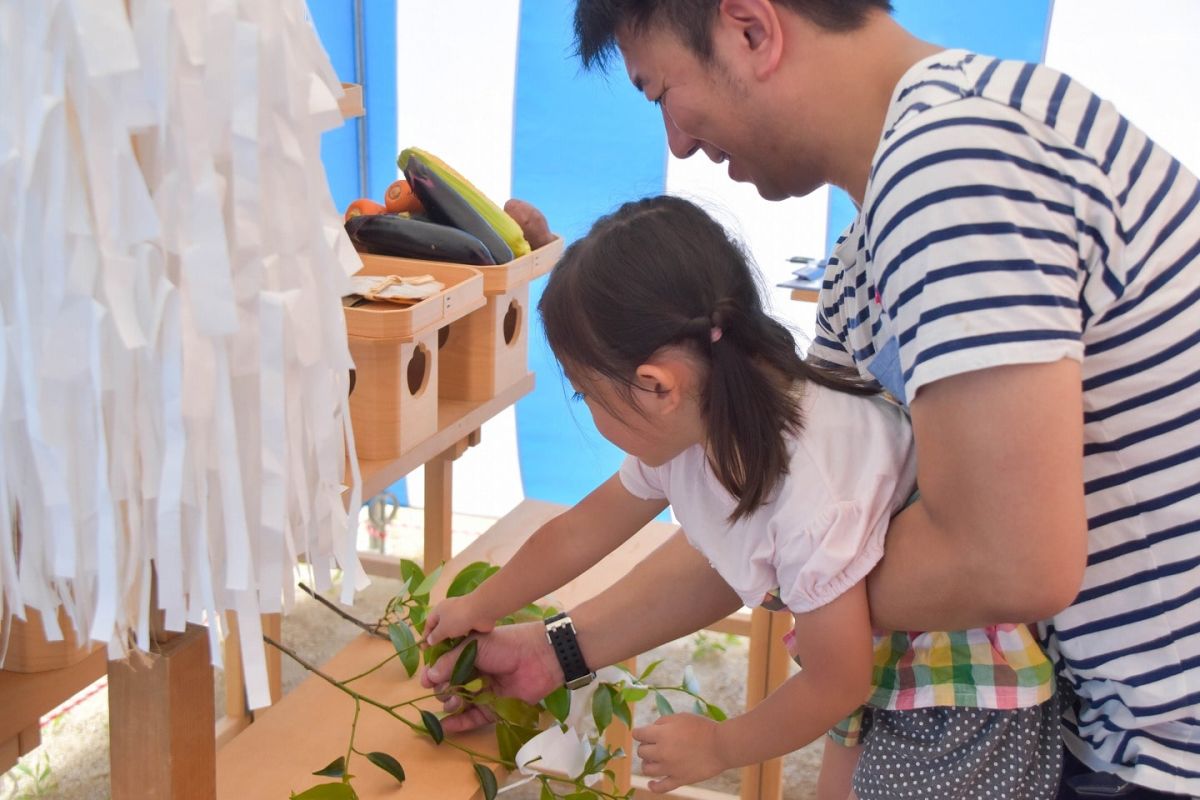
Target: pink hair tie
pixel 714 335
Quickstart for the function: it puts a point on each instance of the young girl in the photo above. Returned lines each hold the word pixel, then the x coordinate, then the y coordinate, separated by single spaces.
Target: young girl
pixel 784 477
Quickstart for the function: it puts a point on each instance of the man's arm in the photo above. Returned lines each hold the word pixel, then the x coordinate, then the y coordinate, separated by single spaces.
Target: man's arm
pixel 999 533
pixel 672 593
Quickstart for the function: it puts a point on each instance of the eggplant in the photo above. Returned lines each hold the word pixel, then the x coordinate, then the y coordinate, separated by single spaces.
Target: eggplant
pixel 446 205
pixel 403 237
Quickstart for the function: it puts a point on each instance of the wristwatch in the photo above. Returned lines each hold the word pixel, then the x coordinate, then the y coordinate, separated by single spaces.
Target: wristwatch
pixel 560 632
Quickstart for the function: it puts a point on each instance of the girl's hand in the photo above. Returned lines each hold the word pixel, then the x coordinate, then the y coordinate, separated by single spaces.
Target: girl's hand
pixel 680 749
pixel 456 616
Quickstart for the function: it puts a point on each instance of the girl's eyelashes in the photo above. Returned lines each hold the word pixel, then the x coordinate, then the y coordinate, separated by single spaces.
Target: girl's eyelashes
pixel 579 397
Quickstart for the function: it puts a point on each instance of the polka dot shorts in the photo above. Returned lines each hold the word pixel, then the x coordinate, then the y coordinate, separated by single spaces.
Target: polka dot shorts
pixel 967 753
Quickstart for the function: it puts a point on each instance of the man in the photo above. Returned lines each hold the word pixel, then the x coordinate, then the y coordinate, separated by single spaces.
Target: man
pixel 1023 275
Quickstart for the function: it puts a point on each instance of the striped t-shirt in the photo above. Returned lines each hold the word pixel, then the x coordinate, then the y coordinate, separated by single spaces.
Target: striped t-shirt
pixel 1012 216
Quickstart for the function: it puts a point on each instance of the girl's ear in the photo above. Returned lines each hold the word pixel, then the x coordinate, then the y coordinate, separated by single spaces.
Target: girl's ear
pixel 662 383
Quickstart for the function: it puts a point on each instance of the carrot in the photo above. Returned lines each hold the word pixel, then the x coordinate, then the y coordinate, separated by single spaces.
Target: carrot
pixel 363 207
pixel 399 196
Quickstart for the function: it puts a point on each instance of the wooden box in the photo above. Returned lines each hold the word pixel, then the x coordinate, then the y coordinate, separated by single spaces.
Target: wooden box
pixel 29 651
pixel 486 351
pixel 394 403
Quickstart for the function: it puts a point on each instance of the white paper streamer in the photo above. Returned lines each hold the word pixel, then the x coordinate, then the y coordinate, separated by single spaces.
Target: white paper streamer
pixel 566 751
pixel 173 352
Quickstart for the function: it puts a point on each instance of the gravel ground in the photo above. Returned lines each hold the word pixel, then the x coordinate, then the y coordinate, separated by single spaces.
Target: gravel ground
pixel 72 762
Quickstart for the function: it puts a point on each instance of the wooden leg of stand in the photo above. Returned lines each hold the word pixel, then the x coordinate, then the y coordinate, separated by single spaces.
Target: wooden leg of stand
pixel 439 484
pixel 161 722
pixel 23 743
pixel 764 671
pixel 439 497
pixel 778 660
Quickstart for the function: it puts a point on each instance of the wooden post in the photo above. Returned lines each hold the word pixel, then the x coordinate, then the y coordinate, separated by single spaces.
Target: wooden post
pixel 162 721
pixel 767 668
pixel 439 482
pixel 439 497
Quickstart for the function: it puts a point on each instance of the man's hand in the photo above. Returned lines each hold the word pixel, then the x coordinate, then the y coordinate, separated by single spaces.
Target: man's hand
pixel 514 660
pixel 456 616
pixel 678 750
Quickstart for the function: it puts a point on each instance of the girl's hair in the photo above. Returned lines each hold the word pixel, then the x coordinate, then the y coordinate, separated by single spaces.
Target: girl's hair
pixel 660 272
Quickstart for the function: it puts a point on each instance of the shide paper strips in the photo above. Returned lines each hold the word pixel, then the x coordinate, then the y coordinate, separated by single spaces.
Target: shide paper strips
pixel 173 356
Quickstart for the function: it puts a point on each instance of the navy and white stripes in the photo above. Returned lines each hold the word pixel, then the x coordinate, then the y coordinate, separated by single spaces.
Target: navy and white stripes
pixel 1013 216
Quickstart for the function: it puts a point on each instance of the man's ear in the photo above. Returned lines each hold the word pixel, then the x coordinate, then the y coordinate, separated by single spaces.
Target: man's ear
pixel 754 31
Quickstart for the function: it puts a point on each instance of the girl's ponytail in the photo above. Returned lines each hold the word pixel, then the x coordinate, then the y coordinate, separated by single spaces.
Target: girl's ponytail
pixel 746 407
pixel 661 272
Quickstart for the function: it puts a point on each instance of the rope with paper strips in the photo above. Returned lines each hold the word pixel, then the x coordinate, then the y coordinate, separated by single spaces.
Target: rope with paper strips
pixel 173 353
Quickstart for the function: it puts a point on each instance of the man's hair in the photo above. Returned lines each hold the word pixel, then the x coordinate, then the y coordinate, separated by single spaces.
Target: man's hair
pixel 597 21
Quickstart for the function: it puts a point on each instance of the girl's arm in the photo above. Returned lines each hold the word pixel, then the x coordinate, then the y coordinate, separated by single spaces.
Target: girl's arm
pixel 833 643
pixel 562 549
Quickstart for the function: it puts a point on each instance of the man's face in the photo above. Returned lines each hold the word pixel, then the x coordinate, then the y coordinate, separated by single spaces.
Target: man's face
pixel 705 107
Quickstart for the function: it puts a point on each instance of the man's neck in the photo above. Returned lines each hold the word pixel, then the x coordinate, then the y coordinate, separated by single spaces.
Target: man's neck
pixel 879 55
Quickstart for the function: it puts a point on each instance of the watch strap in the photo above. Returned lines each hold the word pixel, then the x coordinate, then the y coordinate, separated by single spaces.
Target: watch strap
pixel 560 632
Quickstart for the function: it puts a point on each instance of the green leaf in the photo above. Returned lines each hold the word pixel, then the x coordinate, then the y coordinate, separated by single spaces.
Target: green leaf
pixel 662 704
pixel 327 791
pixel 546 794
pixel 434 652
pixel 426 586
pixel 469 578
pixel 406 646
pixel 487 781
pixel 622 712
pixel 558 703
pixel 646 672
pixel 388 764
pixel 416 615
pixel 598 758
pixel 411 572
pixel 515 711
pixel 335 769
pixel 631 694
pixel 715 713
pixel 433 725
pixel 602 710
pixel 464 667
pixel 507 742
pixel 473 685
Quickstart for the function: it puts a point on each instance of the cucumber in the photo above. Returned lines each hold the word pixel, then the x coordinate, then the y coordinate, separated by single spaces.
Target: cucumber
pixel 402 237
